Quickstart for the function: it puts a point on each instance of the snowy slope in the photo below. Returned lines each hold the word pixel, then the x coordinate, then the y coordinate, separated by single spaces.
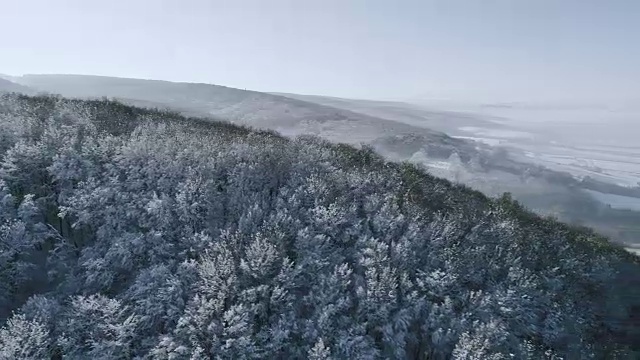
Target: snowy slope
pixel 286 115
pixel 440 119
pixel 8 86
pixel 398 131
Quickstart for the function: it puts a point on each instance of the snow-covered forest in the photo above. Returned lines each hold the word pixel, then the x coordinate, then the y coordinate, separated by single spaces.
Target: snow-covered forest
pixel 138 234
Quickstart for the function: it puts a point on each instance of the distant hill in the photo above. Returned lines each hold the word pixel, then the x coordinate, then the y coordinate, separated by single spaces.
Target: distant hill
pixel 437 119
pixel 9 86
pixel 284 114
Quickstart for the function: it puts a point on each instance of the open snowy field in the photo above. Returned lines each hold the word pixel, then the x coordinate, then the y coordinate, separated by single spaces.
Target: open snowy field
pixel 603 144
pixel 584 141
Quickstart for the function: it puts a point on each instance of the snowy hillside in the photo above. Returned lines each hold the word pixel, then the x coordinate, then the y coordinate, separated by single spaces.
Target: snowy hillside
pixel 437 118
pixel 128 233
pixel 9 86
pixel 286 115
pixel 399 131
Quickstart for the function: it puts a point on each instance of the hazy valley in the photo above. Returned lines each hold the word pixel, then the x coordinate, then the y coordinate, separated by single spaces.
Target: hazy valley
pixel 529 151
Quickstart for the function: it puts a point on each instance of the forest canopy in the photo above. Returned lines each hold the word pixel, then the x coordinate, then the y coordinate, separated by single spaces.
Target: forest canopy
pixel 129 233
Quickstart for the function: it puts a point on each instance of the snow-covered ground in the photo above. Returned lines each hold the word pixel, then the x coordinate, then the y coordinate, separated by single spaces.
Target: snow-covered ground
pixel 601 143
pixel 617 166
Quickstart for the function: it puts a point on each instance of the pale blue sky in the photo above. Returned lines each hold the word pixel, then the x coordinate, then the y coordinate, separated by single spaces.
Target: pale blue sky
pixel 482 50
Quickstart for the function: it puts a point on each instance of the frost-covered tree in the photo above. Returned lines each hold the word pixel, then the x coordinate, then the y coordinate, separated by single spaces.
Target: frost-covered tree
pixel 131 233
pixel 24 339
pixel 97 327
